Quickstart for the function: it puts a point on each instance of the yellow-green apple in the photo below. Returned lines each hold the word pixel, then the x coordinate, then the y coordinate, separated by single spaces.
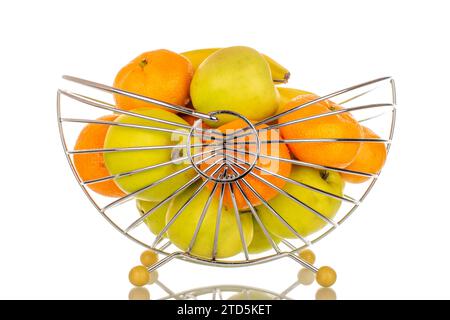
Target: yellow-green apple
pixel 260 243
pixel 301 219
pixel 157 219
pixel 181 231
pixel 125 161
pixel 237 79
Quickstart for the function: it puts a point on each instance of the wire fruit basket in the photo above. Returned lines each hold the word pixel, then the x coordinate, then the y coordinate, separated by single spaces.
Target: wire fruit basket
pixel 159 290
pixel 212 157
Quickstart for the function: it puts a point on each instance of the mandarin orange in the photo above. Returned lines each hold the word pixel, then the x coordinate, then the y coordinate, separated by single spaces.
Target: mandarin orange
pixel 370 158
pixel 191 119
pixel 92 165
pixel 333 154
pixel 161 74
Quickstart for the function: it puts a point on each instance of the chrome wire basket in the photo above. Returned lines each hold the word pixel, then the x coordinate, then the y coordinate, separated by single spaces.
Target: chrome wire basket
pixel 212 158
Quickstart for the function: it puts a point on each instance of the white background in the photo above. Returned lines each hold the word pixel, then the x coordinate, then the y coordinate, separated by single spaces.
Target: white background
pixel 53 244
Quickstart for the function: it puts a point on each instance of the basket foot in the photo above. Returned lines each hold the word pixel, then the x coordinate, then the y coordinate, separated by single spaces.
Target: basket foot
pixel 325 276
pixel 303 262
pixel 163 261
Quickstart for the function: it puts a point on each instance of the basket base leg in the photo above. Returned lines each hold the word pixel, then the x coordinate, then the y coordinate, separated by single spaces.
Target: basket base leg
pixel 302 262
pixel 163 261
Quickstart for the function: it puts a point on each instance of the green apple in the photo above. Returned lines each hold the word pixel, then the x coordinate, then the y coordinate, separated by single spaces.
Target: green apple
pixel 157 219
pixel 125 161
pixel 252 295
pixel 301 219
pixel 236 79
pixel 181 231
pixel 259 242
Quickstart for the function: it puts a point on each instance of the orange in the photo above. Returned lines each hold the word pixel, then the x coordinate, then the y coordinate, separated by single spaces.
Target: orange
pixel 270 149
pixel 370 158
pixel 91 165
pixel 333 154
pixel 335 107
pixel 161 74
pixel 191 119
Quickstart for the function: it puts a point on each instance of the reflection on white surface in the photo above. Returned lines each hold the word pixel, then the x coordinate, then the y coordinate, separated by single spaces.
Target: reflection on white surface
pixel 325 294
pixel 306 277
pixel 157 290
pixel 153 277
pixel 139 293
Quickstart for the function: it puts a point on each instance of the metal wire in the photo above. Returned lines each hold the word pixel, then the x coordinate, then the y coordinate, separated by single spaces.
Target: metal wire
pixel 229 172
pixel 191 198
pixel 221 292
pixel 318 116
pixel 132 95
pixel 304 105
